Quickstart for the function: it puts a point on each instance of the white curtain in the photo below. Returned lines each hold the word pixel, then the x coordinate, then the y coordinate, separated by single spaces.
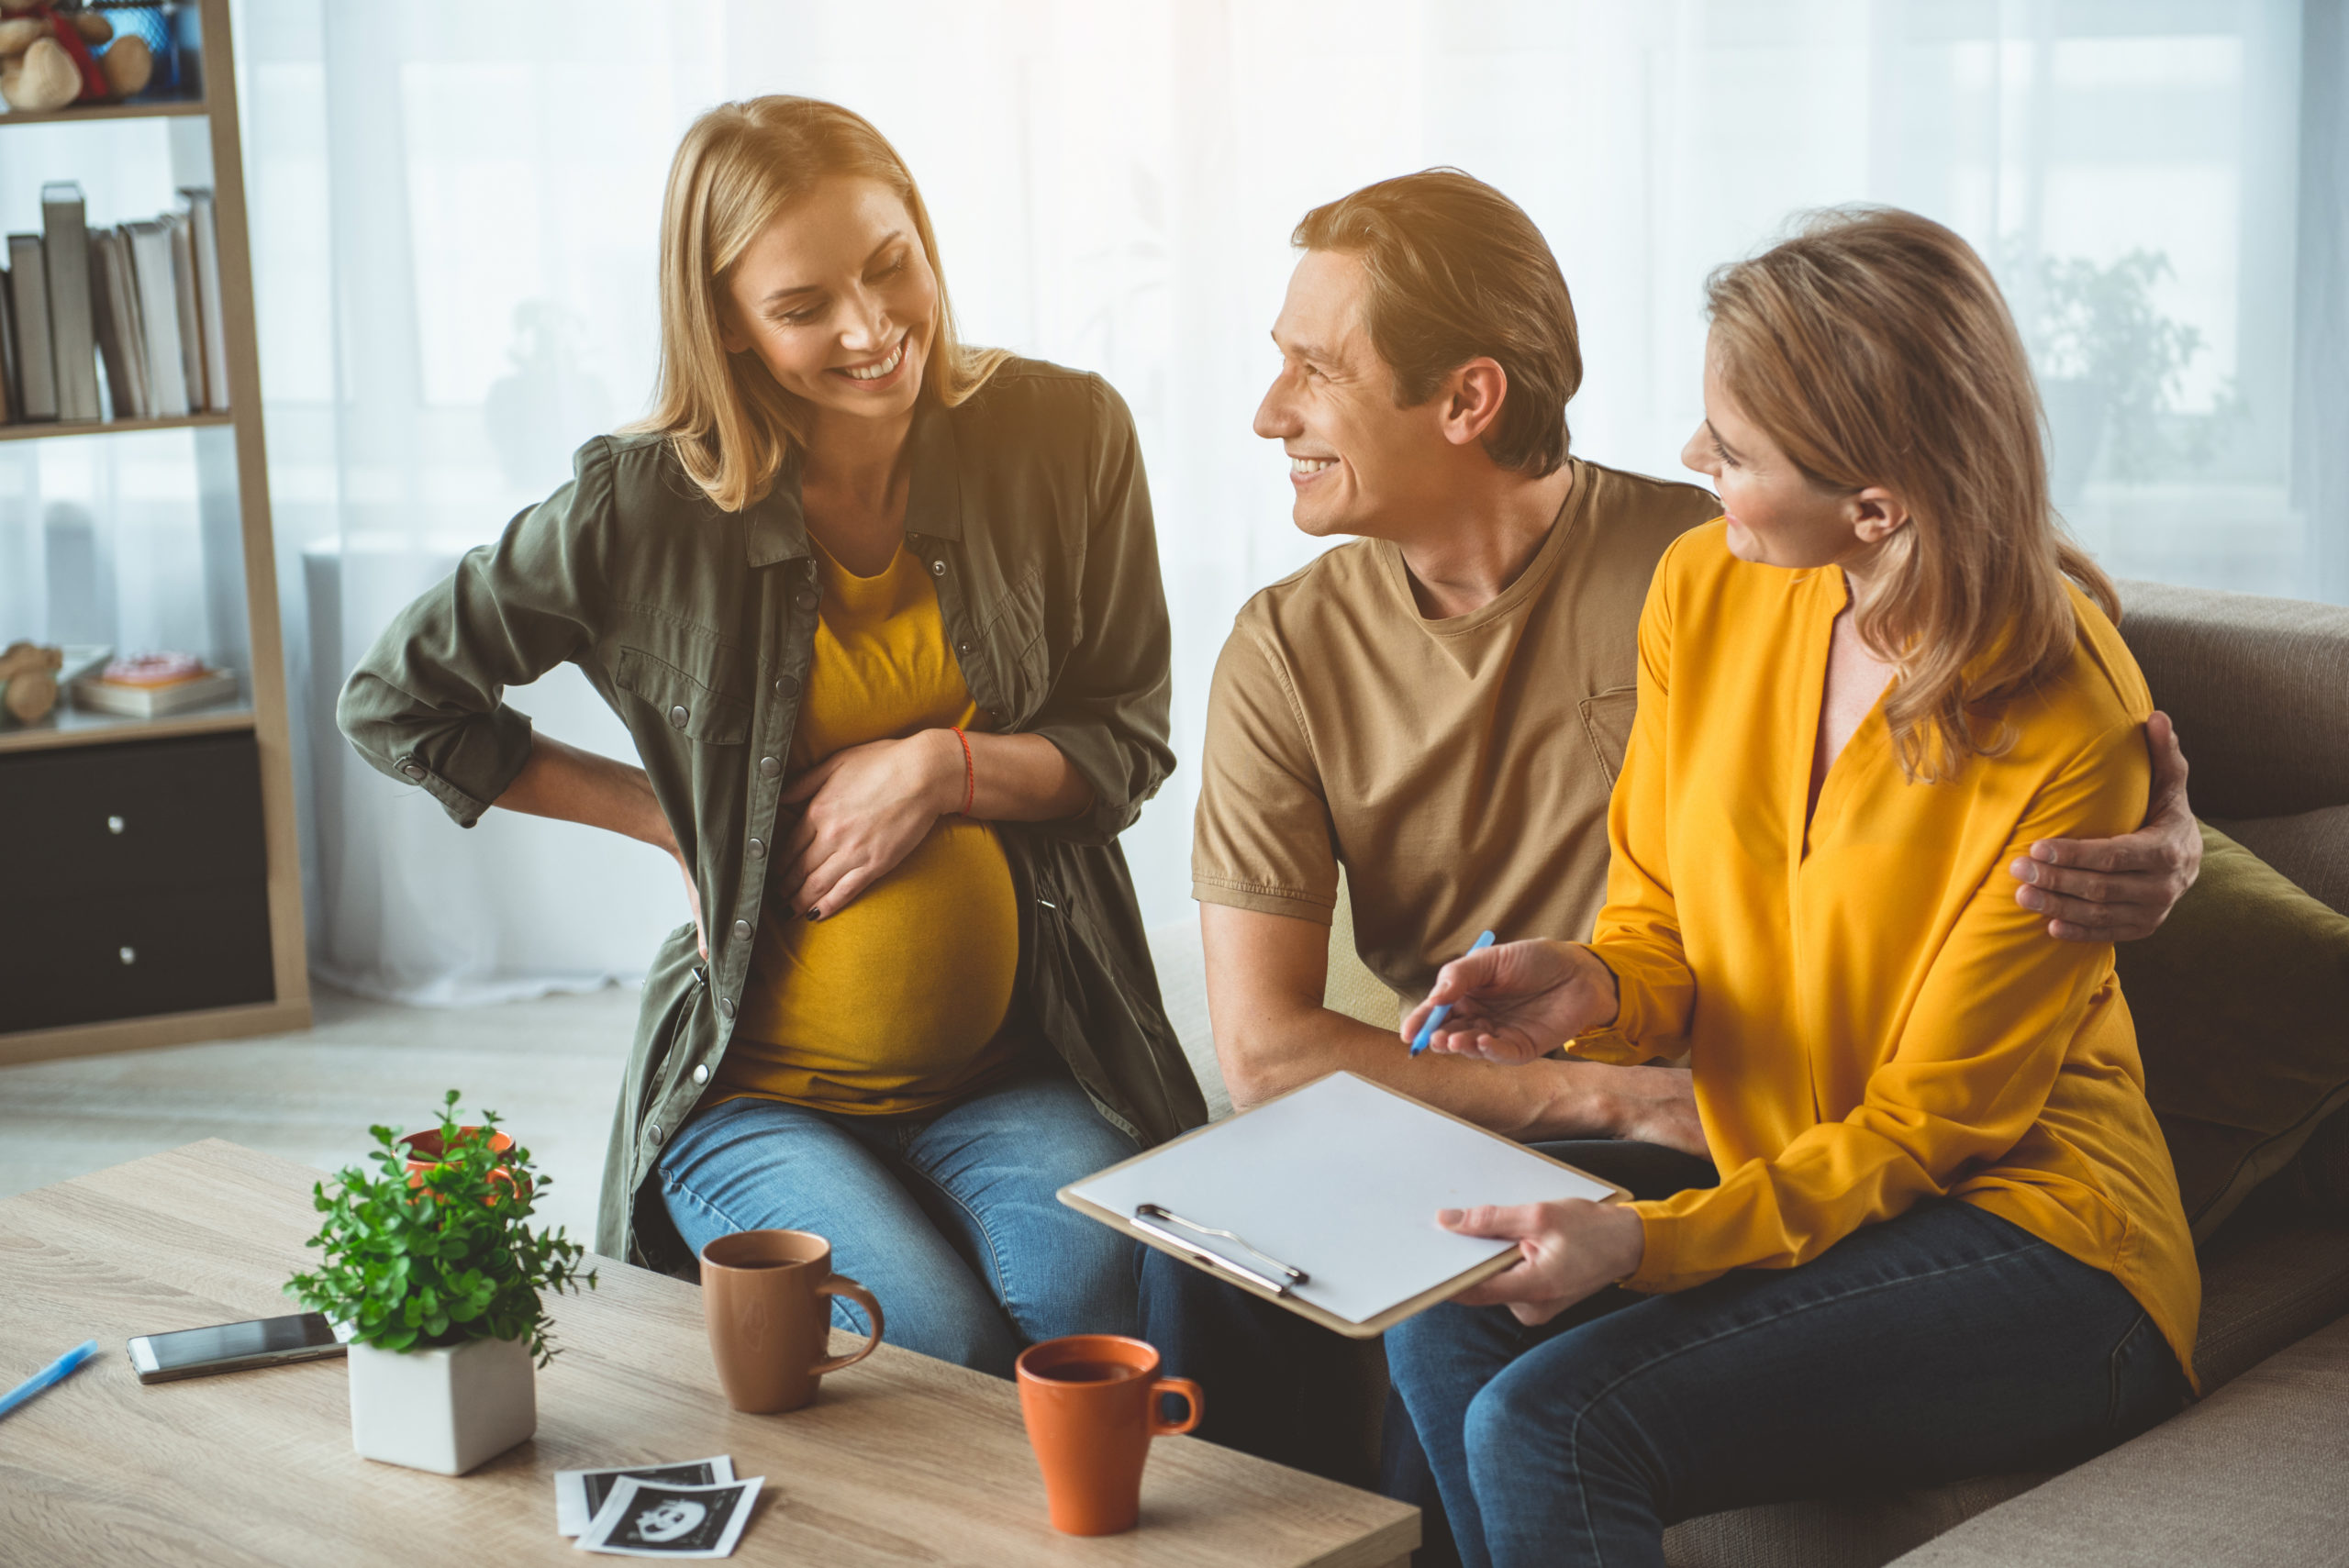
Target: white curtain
pixel 455 206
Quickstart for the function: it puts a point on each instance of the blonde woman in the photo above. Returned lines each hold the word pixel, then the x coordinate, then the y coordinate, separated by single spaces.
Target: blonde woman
pixel 883 615
pixel 1946 1239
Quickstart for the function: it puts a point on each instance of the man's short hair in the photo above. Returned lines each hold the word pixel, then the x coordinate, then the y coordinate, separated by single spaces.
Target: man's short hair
pixel 1457 271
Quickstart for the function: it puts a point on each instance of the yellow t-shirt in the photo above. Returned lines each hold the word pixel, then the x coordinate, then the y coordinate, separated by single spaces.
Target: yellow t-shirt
pixel 893 1004
pixel 1872 1018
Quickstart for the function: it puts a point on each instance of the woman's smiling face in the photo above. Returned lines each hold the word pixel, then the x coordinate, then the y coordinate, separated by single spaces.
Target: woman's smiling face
pixel 837 300
pixel 1777 516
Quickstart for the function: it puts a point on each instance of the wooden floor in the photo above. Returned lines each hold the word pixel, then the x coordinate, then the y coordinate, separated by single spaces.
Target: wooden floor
pixel 548 1067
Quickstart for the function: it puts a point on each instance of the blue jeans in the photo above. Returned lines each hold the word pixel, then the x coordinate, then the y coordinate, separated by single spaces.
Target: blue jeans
pixel 947 1217
pixel 1943 1344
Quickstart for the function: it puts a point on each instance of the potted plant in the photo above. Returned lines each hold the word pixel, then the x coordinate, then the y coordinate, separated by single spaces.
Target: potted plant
pixel 431 1265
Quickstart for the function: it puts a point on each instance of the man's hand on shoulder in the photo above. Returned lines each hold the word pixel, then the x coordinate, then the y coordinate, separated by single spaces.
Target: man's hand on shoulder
pixel 2117 890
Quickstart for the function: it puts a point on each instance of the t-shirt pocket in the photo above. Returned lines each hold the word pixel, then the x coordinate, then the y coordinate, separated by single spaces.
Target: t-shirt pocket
pixel 1607 721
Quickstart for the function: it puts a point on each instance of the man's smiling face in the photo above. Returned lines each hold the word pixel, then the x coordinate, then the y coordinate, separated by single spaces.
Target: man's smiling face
pixel 1359 464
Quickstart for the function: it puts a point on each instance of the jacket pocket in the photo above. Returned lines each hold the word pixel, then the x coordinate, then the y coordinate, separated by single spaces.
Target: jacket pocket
pixel 680 701
pixel 1012 631
pixel 1607 721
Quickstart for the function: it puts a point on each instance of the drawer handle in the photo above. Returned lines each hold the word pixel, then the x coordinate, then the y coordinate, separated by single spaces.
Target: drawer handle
pixel 115 824
pixel 129 956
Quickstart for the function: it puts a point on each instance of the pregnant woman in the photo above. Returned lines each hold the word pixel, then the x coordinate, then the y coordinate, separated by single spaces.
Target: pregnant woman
pixel 1946 1238
pixel 881 613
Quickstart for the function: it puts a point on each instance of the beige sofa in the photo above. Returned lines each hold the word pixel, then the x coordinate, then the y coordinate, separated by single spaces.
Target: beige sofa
pixel 2258 1471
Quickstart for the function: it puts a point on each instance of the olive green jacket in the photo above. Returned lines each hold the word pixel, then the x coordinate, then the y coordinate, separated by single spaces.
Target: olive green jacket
pixel 1029 504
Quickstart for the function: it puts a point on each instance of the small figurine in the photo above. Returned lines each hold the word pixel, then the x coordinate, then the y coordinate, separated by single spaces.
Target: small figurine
pixel 29 681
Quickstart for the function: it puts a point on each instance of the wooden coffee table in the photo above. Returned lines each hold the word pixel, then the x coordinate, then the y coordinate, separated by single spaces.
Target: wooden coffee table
pixel 903 1460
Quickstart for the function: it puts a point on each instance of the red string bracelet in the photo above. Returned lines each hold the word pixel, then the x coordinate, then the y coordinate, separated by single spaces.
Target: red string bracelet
pixel 970 773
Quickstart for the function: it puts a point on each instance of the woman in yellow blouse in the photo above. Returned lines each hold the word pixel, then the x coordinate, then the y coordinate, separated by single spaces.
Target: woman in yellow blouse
pixel 1946 1237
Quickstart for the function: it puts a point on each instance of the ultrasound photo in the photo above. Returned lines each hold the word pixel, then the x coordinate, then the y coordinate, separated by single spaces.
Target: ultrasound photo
pixel 662 1518
pixel 580 1494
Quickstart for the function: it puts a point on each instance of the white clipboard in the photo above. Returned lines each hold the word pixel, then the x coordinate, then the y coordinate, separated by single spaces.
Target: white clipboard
pixel 1324 1200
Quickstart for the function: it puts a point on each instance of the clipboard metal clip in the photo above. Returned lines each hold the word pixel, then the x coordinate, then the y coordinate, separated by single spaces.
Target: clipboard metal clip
pixel 1153 1218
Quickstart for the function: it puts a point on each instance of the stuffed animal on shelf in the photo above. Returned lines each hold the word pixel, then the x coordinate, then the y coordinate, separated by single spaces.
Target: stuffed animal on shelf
pixel 29 681
pixel 50 58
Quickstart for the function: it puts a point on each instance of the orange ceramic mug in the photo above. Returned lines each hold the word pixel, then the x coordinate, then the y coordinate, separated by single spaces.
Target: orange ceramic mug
pixel 1091 1402
pixel 767 1298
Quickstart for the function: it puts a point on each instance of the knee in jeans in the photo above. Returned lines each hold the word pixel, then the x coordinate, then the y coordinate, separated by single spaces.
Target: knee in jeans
pixel 1519 1419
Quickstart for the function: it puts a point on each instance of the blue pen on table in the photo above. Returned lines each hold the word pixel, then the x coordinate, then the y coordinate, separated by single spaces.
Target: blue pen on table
pixel 1427 1031
pixel 53 1373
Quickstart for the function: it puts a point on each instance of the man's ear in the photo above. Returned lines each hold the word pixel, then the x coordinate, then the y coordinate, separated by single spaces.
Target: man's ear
pixel 1472 397
pixel 1877 514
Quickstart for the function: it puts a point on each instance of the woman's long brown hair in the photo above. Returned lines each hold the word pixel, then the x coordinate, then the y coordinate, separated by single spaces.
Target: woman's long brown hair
pixel 1875 347
pixel 737 169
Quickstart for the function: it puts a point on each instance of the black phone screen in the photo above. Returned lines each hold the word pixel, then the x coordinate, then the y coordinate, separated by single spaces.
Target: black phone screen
pixel 238 1342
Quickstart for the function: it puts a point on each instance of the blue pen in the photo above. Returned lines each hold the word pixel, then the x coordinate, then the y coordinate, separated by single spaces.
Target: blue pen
pixel 54 1373
pixel 1427 1031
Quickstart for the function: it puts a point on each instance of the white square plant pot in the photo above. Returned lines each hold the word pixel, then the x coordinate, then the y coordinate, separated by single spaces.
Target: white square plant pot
pixel 445 1409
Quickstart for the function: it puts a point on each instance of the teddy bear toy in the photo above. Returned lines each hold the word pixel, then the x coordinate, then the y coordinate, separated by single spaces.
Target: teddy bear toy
pixel 50 58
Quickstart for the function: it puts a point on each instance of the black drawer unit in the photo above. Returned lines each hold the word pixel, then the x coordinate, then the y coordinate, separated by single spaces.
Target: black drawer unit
pixel 137 884
pixel 134 814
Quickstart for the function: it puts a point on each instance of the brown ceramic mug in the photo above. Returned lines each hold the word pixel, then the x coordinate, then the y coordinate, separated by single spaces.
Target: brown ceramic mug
pixel 1091 1403
pixel 767 1298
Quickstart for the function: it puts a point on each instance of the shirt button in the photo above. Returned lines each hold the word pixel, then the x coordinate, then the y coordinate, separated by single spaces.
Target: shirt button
pixel 726 1007
pixel 806 600
pixel 701 1073
pixel 961 648
pixel 677 717
pixel 741 930
pixel 758 849
pixel 786 686
pixel 768 768
pixel 653 1132
pixel 412 770
pixel 938 568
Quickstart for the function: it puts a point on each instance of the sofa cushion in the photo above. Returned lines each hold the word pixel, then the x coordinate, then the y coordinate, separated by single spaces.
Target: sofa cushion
pixel 2270 1278
pixel 2252 1475
pixel 2239 1000
pixel 2313 849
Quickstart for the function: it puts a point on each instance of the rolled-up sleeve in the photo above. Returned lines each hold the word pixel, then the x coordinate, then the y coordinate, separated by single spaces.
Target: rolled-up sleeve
pixel 426 703
pixel 1109 712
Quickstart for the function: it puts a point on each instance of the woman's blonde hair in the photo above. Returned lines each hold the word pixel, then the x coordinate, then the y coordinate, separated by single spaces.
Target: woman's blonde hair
pixel 1875 348
pixel 737 169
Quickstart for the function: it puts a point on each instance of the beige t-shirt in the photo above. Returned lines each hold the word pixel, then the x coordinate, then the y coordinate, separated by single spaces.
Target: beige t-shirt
pixel 1458 769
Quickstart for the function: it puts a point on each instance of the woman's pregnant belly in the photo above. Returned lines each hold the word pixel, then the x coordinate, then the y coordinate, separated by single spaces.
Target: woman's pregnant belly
pixel 893 1003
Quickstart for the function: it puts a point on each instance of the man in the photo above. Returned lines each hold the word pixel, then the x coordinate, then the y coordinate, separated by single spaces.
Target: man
pixel 1441 707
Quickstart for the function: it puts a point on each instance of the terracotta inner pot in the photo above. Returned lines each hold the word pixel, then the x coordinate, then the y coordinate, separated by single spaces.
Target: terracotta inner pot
pixel 426 1151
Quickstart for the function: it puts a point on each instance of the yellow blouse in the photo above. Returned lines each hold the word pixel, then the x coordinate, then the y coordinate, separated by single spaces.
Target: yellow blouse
pixel 895 1003
pixel 1872 1017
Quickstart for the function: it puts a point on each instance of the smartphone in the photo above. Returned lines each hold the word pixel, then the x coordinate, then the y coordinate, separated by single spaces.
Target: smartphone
pixel 233 1347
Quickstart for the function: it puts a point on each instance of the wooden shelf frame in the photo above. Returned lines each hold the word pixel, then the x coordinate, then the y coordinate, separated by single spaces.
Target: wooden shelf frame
pixel 58 430
pixel 153 109
pixel 265 711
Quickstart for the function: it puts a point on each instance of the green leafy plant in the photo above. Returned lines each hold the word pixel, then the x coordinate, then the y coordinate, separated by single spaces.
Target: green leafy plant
pixel 440 1256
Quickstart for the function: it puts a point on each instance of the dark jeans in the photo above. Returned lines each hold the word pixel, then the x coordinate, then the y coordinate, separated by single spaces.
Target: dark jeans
pixel 1944 1343
pixel 1282 1388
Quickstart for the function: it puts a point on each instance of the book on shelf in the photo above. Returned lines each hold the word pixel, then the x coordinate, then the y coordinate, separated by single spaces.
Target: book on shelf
pixel 204 223
pixel 29 296
pixel 152 685
pixel 138 303
pixel 11 400
pixel 65 250
pixel 191 327
pixel 158 308
pixel 110 308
